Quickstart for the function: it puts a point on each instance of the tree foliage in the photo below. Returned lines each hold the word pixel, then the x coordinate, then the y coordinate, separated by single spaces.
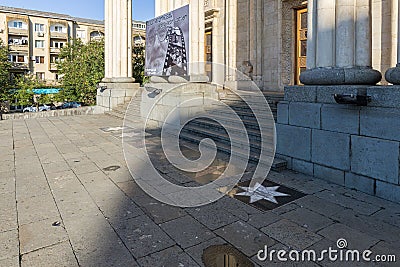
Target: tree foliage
pixel 24 94
pixel 5 66
pixel 82 68
pixel 138 61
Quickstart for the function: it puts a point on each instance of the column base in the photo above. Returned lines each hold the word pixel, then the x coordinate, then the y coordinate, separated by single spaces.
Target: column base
pixel 112 94
pixel 392 75
pixel 341 76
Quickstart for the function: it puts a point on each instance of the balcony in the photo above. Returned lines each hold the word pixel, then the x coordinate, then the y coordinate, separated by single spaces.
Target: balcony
pixel 53 66
pixel 18 48
pixel 59 35
pixel 18 31
pixel 54 50
pixel 19 66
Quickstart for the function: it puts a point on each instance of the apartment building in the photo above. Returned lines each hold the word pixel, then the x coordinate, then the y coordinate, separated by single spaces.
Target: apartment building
pixel 34 38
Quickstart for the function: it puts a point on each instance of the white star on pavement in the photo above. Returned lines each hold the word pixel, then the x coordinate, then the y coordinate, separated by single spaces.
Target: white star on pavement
pixel 114 129
pixel 259 192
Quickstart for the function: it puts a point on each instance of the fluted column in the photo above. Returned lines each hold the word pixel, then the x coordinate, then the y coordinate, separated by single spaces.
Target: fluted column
pixel 118 41
pixel 339 43
pixel 393 74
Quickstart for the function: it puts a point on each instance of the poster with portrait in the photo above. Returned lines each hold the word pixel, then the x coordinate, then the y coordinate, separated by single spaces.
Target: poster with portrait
pixel 167 44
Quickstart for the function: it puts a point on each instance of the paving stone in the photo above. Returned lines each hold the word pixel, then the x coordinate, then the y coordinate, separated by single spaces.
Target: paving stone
pixel 285 208
pixel 57 255
pixel 372 226
pixel 173 256
pixel 186 231
pixel 35 186
pixel 263 219
pixel 143 237
pixel 160 212
pixel 319 205
pixel 10 262
pixel 196 252
pixel 96 243
pixel 8 212
pixel 36 208
pixel 56 167
pixel 7 166
pixel 384 248
pixel 390 217
pixel 9 244
pixel 238 208
pixel 358 206
pixel 245 237
pixel 291 234
pixel 354 238
pixel 41 234
pixel 308 219
pixel 213 215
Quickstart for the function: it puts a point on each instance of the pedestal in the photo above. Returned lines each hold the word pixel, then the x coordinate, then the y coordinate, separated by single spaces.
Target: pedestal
pixel 340 76
pixel 112 94
pixel 392 75
pixel 354 146
pixel 184 100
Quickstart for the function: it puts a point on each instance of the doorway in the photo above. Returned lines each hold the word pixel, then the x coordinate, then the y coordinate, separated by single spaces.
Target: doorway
pixel 208 53
pixel 301 43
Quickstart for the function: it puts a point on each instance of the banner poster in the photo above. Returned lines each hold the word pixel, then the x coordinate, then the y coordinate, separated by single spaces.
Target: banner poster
pixel 167 44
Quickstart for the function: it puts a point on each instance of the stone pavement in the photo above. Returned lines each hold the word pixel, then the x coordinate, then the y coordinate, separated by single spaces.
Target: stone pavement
pixel 67 199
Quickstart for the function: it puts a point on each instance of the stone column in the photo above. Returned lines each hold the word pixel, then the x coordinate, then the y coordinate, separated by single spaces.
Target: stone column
pixel 118 41
pixel 118 86
pixel 339 45
pixel 392 75
pixel 231 39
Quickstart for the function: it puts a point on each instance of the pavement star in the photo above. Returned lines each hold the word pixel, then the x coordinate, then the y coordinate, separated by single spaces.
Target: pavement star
pixel 259 192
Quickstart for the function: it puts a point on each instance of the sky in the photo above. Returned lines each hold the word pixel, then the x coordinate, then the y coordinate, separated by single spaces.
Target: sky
pixel 93 9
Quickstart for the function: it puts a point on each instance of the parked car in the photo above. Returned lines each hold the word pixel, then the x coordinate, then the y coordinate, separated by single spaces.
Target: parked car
pixel 71 105
pixel 34 109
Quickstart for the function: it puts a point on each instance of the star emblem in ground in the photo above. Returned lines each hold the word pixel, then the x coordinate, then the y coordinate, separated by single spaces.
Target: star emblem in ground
pixel 113 129
pixel 259 192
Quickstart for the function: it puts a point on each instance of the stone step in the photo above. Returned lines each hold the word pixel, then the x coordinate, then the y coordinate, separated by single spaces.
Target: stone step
pixel 211 124
pixel 255 145
pixel 278 164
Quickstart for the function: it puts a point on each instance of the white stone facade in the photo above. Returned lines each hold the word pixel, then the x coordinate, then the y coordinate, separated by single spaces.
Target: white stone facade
pixel 262 33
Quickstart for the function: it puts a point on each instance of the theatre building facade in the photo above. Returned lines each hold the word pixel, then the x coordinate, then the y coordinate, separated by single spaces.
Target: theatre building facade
pixel 267 39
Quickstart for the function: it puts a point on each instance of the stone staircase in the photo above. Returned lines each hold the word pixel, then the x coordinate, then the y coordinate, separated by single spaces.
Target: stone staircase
pixel 134 110
pixel 201 128
pixel 198 129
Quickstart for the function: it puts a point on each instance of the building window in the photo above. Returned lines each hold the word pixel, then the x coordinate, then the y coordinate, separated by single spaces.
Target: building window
pixel 18 41
pixel 39 44
pixel 80 34
pixel 55 59
pixel 39 60
pixel 58 44
pixel 17 24
pixel 17 58
pixel 40 76
pixel 39 27
pixel 58 28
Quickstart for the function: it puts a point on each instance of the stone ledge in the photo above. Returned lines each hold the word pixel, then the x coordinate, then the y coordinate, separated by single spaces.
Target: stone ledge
pixel 381 96
pixel 340 76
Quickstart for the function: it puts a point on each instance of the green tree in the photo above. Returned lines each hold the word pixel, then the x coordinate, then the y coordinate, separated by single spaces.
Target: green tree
pixel 25 84
pixel 5 66
pixel 138 61
pixel 82 68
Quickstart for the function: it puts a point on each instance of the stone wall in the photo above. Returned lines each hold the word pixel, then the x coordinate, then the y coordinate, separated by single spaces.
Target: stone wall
pixel 354 146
